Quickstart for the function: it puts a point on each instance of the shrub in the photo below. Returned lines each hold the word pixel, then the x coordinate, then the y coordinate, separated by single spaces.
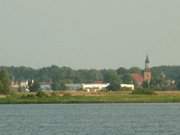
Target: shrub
pixel 28 96
pixel 41 94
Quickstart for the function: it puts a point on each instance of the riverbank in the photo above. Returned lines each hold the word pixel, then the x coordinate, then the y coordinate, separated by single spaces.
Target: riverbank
pixel 114 97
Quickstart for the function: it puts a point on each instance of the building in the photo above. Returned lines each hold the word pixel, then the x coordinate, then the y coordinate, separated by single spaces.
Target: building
pixel 44 86
pixel 87 86
pixel 139 78
pixel 22 85
pixel 127 86
pixel 147 71
pixel 95 86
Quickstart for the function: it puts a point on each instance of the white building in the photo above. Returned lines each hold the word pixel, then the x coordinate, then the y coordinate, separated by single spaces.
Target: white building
pixel 19 84
pixel 95 86
pixel 22 86
pixel 127 86
pixel 87 86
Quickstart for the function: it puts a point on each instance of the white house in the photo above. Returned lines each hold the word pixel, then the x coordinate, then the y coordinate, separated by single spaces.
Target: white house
pixel 87 86
pixel 19 84
pixel 128 86
pixel 94 86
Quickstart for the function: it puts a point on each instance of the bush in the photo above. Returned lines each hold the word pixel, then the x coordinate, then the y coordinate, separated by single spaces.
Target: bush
pixel 28 96
pixel 41 94
pixel 143 92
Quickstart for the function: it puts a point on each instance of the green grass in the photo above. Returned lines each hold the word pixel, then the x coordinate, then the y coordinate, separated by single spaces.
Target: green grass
pixel 143 92
pixel 90 99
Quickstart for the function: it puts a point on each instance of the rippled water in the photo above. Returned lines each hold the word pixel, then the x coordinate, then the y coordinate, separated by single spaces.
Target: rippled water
pixel 90 119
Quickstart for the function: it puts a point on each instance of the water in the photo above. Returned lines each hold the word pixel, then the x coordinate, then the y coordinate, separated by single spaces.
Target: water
pixel 90 119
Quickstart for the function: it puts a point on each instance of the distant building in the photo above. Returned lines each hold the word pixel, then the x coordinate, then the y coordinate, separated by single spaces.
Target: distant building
pixel 139 79
pixel 87 86
pixel 127 86
pixel 147 71
pixel 22 85
pixel 45 86
pixel 95 86
pixel 17 84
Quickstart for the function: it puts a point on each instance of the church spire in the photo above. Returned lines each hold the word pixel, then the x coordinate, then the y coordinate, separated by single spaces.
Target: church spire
pixel 147 59
pixel 147 71
pixel 147 63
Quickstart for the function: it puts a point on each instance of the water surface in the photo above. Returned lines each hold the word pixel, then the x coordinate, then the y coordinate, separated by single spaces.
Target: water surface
pixel 90 119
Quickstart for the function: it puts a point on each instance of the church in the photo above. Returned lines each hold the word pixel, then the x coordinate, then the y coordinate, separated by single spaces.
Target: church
pixel 147 71
pixel 139 79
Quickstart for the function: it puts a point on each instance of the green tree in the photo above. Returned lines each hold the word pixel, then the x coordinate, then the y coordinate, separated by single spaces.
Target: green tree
pixel 55 85
pixel 113 78
pixel 114 85
pixel 135 70
pixel 178 85
pixel 4 82
pixel 60 85
pixel 34 86
pixel 122 71
pixel 126 78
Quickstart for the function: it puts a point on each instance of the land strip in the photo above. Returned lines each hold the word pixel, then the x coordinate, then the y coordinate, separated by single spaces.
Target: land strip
pixel 83 97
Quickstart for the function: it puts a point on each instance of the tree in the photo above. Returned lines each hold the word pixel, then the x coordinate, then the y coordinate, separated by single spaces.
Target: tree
pixel 122 71
pixel 146 84
pixel 178 84
pixel 4 82
pixel 60 85
pixel 135 70
pixel 56 85
pixel 34 86
pixel 114 85
pixel 113 78
pixel 126 78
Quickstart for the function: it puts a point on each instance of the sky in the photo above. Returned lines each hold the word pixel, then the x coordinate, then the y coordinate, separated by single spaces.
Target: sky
pixel 89 33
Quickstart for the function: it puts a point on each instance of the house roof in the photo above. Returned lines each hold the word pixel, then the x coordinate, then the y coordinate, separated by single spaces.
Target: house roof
pixel 137 77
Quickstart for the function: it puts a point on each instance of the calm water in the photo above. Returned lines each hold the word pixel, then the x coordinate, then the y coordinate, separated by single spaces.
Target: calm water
pixel 90 119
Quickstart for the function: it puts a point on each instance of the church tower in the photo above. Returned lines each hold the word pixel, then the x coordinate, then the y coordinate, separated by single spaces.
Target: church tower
pixel 147 71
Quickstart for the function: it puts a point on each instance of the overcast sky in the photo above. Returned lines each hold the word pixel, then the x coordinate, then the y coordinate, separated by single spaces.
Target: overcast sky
pixel 89 33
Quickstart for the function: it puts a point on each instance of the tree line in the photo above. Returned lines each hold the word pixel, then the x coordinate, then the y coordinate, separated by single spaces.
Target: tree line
pixel 161 76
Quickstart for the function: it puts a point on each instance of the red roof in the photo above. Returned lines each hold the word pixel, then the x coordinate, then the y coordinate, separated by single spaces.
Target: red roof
pixel 137 77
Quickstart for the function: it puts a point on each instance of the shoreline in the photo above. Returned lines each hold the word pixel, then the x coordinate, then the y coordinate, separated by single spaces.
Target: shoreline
pixel 94 99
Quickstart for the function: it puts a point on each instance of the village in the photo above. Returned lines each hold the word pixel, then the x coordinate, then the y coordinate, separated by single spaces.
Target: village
pixel 137 81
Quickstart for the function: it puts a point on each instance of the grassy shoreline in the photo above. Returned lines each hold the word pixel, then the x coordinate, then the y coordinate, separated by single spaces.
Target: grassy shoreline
pixel 96 98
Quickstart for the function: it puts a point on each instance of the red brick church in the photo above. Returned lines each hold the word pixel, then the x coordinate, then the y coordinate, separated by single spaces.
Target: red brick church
pixel 139 79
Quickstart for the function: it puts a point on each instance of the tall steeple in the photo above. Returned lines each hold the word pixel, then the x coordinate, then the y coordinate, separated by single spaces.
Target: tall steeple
pixel 147 70
pixel 147 63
